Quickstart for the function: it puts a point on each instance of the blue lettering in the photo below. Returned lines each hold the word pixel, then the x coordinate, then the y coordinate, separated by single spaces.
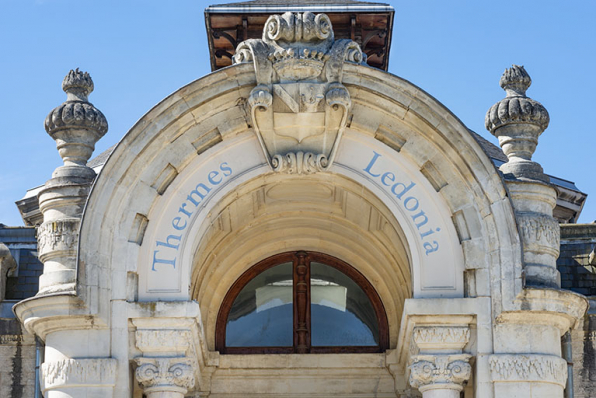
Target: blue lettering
pixel 370 165
pixel 430 248
pixel 176 224
pixel 389 176
pixel 227 170
pixel 197 193
pixel 211 177
pixel 162 261
pixel 405 189
pixel 409 200
pixel 167 242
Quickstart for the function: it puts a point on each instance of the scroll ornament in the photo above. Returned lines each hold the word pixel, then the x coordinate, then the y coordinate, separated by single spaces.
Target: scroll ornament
pixel 299 107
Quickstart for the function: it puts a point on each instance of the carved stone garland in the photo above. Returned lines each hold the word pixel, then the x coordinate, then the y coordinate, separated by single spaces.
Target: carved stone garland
pixel 299 107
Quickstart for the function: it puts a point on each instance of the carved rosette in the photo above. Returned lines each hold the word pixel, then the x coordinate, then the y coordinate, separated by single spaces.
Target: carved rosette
pixel 528 368
pixel 439 371
pixel 165 374
pixel 66 373
pixel 299 107
pixel 57 238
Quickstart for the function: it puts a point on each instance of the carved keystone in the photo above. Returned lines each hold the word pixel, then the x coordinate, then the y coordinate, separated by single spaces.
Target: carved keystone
pixel 299 106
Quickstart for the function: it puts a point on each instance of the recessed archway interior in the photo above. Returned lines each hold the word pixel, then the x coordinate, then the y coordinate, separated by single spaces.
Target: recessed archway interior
pixel 277 213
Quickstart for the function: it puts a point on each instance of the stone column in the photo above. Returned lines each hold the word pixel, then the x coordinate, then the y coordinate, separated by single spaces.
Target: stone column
pixel 527 333
pixel 77 350
pixel 441 369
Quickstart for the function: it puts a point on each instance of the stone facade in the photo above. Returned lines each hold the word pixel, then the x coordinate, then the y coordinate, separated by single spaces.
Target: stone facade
pixel 301 147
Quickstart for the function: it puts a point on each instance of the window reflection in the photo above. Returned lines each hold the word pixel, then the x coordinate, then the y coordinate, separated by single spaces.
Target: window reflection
pixel 262 313
pixel 341 312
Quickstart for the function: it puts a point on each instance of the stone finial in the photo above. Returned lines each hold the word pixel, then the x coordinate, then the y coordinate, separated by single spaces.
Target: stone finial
pixel 76 125
pixel 77 85
pixel 517 121
pixel 515 81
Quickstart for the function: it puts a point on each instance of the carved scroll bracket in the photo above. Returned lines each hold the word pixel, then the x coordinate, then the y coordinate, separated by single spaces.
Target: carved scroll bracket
pixel 432 372
pixel 299 106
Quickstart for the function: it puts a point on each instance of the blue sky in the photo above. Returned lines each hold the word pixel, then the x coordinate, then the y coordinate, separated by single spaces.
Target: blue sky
pixel 138 52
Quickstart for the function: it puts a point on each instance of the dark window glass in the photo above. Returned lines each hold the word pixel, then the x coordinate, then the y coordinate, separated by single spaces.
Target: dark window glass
pixel 262 314
pixel 341 313
pixel 301 302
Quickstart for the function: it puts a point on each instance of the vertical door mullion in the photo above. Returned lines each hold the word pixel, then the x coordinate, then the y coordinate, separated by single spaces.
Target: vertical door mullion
pixel 301 303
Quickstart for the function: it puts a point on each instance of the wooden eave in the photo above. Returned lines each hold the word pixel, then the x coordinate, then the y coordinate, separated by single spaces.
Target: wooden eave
pixel 372 30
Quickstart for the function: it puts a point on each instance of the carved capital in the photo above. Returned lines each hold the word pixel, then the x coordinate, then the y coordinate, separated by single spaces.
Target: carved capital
pixel 65 373
pixel 441 337
pixel 528 368
pixel 165 374
pixel 439 371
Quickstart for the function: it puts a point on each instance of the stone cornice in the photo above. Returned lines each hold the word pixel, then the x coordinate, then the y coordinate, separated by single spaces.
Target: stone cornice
pixel 46 314
pixel 546 306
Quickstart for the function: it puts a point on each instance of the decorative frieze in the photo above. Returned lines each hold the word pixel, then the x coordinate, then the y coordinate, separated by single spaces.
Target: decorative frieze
pixel 528 368
pixel 97 372
pixel 439 371
pixel 540 232
pixel 438 337
pixel 57 236
pixel 151 341
pixel 165 374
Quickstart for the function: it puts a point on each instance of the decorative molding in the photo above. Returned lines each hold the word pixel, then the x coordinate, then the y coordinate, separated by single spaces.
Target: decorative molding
pixel 97 372
pixel 10 339
pixel 151 341
pixel 527 368
pixel 57 236
pixel 165 374
pixel 539 230
pixel 441 337
pixel 299 107
pixel 439 371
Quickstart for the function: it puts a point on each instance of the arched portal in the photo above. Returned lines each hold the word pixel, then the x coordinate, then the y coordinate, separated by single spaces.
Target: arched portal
pixel 170 247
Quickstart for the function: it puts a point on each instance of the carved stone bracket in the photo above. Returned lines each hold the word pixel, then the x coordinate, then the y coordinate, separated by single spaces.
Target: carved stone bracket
pixel 66 373
pixel 299 106
pixel 165 374
pixel 528 368
pixel 440 371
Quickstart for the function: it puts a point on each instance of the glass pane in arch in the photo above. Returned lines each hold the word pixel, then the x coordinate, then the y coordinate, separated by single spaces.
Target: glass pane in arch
pixel 262 314
pixel 341 312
